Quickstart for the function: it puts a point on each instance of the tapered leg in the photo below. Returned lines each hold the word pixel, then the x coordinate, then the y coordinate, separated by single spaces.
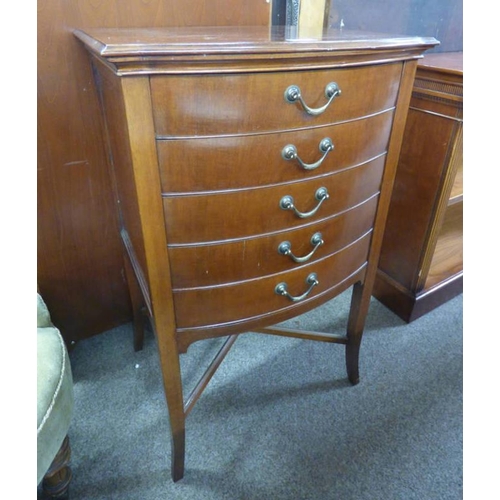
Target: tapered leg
pixel 56 481
pixel 177 428
pixel 169 360
pixel 172 382
pixel 136 101
pixel 352 361
pixel 178 454
pixel 360 302
pixel 138 307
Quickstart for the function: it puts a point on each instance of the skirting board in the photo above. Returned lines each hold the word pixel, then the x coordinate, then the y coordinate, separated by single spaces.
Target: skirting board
pixel 409 306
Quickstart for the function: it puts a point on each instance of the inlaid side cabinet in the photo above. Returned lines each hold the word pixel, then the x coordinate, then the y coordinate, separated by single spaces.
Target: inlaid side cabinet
pixel 253 172
pixel 421 261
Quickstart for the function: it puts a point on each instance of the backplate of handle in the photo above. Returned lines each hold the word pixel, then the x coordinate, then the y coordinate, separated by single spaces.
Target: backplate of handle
pixel 282 288
pixel 287 203
pixel 285 248
pixel 293 94
pixel 289 152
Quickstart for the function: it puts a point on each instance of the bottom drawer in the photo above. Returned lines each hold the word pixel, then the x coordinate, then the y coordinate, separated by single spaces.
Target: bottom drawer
pixel 221 305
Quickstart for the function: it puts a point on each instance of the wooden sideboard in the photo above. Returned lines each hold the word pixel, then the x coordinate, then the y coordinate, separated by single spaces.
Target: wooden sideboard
pixel 421 261
pixel 253 172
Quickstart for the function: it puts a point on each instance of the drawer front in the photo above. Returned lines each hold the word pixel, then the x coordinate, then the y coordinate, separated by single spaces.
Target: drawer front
pixel 205 105
pixel 238 214
pixel 204 307
pixel 216 264
pixel 222 163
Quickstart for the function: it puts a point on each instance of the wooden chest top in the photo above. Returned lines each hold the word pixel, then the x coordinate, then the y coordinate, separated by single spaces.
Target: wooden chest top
pixel 160 50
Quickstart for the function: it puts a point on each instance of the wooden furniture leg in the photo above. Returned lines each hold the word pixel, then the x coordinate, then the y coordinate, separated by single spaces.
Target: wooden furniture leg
pixel 169 359
pixel 360 302
pixel 56 481
pixel 361 294
pixel 138 307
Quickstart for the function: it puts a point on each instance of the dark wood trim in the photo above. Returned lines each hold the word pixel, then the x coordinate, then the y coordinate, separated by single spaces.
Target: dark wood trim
pixel 434 297
pixel 409 306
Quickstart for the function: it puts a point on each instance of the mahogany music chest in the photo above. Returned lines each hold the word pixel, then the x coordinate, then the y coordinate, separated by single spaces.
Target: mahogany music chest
pixel 253 171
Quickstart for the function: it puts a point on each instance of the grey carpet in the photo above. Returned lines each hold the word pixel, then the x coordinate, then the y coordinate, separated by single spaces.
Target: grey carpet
pixel 279 419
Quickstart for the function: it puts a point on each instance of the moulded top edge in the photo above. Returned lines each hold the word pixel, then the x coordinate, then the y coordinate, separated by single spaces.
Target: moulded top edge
pixel 116 42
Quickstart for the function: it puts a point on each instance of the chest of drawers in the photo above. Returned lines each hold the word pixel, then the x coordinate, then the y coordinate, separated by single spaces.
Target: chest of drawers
pixel 252 174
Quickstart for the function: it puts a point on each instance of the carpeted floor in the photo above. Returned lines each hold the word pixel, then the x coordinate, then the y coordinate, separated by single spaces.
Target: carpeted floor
pixel 279 421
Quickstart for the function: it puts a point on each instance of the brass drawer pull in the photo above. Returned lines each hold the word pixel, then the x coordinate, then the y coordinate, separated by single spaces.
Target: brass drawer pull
pixel 282 288
pixel 293 94
pixel 286 203
pixel 290 153
pixel 285 248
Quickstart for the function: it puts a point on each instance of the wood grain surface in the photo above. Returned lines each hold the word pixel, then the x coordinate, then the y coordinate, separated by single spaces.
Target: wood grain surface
pixel 80 266
pixel 80 270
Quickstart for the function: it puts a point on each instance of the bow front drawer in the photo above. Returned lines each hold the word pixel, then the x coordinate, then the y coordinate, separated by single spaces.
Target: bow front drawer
pixel 235 214
pixel 248 258
pixel 207 105
pixel 222 163
pixel 247 300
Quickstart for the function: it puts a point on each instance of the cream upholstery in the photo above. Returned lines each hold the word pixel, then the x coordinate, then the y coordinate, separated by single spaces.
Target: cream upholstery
pixel 54 390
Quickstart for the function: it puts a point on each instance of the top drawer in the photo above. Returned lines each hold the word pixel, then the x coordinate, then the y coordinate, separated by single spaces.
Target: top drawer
pixel 206 105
